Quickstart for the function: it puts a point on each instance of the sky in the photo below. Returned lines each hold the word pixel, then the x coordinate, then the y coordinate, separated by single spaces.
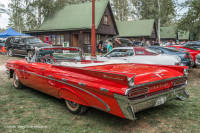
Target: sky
pixel 4 18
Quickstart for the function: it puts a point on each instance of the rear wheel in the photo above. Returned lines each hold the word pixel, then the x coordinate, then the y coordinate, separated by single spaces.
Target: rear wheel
pixel 10 52
pixel 75 108
pixel 17 84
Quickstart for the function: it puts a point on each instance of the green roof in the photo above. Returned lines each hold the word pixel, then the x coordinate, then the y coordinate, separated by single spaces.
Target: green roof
pixel 183 35
pixel 136 28
pixel 77 16
pixel 168 32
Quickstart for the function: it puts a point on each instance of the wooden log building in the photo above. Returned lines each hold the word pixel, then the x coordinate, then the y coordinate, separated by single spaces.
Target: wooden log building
pixel 138 30
pixel 72 25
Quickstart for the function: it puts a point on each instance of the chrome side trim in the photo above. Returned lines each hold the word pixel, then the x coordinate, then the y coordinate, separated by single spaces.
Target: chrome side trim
pixel 50 76
pixel 154 82
pixel 107 107
pixel 103 89
pixel 83 84
pixel 64 79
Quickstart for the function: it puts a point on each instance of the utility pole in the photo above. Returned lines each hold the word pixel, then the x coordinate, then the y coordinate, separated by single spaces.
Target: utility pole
pixel 93 39
pixel 159 21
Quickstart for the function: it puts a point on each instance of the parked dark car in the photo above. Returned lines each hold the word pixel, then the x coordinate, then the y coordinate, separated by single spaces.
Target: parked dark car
pixel 186 58
pixel 23 45
pixel 193 44
pixel 124 43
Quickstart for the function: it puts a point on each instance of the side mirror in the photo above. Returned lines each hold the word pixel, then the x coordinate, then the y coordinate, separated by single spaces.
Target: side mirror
pixel 27 59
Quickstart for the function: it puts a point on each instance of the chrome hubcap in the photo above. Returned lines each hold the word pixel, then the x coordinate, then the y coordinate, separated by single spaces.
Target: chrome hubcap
pixel 73 104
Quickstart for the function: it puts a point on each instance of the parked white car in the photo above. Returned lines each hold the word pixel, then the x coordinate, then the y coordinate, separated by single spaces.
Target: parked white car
pixel 140 55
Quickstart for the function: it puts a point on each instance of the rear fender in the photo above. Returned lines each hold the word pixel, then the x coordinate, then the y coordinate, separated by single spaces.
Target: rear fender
pixel 69 94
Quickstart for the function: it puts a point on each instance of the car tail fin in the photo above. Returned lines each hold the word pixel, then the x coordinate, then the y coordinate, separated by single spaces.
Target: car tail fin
pixel 121 78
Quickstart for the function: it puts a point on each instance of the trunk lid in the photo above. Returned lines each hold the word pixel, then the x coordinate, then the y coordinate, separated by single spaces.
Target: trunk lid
pixel 144 73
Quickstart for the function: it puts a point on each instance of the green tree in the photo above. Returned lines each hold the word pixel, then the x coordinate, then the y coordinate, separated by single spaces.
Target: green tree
pixel 121 9
pixel 149 9
pixel 190 21
pixel 163 11
pixel 16 14
pixel 2 10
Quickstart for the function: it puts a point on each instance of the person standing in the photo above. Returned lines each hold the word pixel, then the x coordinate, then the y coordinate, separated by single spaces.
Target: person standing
pixel 109 46
pixel 116 42
pixel 100 47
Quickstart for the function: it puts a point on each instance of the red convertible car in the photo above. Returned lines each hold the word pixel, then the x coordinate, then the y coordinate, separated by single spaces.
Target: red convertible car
pixel 121 89
pixel 193 51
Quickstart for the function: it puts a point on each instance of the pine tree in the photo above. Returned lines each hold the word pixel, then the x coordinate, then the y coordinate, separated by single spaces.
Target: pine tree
pixel 16 14
pixel 190 21
pixel 2 10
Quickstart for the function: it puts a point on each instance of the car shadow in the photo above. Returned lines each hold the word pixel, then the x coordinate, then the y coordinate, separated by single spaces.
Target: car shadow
pixel 105 118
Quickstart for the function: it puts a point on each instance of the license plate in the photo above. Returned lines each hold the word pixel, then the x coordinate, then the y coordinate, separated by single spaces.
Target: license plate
pixel 161 100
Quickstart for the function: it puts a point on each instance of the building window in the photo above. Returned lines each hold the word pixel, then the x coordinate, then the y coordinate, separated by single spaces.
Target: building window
pixel 62 39
pixel 87 39
pixel 98 38
pixel 106 20
pixel 58 39
pixel 53 40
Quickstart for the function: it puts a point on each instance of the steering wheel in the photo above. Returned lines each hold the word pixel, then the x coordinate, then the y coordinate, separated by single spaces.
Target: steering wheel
pixel 48 59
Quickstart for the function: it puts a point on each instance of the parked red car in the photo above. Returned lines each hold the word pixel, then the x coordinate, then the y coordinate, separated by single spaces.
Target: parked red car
pixel 119 89
pixel 193 51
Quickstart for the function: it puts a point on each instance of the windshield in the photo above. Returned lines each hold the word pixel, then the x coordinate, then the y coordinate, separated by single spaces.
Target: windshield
pixel 124 41
pixel 59 55
pixel 151 51
pixel 33 40
pixel 121 53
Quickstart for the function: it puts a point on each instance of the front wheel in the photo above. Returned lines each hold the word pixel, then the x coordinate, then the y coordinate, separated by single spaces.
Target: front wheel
pixel 17 84
pixel 75 108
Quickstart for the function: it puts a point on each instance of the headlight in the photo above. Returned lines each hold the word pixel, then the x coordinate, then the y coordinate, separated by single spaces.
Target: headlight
pixel 131 81
pixel 32 47
pixel 186 72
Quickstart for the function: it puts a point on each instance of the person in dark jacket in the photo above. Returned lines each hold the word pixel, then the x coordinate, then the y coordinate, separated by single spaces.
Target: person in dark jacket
pixel 100 47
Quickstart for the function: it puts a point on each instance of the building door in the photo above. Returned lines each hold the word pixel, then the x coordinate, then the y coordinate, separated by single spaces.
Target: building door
pixel 75 40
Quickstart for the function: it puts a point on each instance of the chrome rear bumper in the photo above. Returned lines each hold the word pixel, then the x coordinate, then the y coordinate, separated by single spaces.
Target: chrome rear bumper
pixel 130 107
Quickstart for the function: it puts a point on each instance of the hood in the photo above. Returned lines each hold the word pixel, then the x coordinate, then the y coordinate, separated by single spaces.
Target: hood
pixel 144 73
pixel 40 45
